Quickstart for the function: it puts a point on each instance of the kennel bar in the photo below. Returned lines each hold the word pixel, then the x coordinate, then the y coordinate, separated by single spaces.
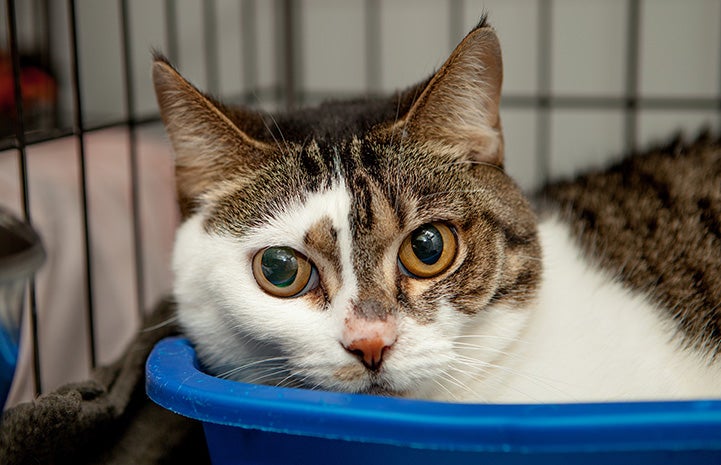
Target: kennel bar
pixel 171 30
pixel 290 58
pixel 129 89
pixel 633 31
pixel 210 45
pixel 22 161
pixel 79 132
pixel 372 20
pixel 543 119
pixel 249 53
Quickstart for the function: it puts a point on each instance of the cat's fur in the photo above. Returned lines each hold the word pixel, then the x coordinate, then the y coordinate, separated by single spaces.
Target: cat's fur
pixel 614 294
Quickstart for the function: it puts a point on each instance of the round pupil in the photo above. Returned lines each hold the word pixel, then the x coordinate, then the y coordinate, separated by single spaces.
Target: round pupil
pixel 427 244
pixel 279 265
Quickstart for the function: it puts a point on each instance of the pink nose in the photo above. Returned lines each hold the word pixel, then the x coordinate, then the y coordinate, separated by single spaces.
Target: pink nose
pixel 369 351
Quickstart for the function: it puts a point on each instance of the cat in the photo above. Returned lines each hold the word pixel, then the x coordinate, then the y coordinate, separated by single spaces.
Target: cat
pixel 377 246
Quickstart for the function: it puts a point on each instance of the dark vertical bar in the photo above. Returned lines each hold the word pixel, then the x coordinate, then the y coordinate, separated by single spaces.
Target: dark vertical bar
pixel 373 46
pixel 291 48
pixel 633 41
pixel 210 42
pixel 46 26
pixel 543 127
pixel 718 98
pixel 455 25
pixel 22 154
pixel 248 47
pixel 19 110
pixel 171 31
pixel 133 145
pixel 46 46
pixel 79 131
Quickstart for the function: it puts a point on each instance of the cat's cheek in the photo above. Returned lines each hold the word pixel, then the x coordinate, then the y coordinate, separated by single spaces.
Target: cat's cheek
pixel 420 354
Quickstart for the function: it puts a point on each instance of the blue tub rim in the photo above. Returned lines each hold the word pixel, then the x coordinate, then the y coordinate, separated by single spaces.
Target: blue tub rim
pixel 175 382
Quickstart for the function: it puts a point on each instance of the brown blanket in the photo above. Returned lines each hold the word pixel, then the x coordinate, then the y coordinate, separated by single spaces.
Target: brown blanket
pixel 105 420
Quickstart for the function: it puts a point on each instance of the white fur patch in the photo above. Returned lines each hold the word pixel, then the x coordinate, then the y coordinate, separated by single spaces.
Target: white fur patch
pixel 590 339
pixel 222 308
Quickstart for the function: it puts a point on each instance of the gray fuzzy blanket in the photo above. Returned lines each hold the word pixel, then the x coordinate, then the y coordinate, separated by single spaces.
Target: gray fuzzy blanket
pixel 105 420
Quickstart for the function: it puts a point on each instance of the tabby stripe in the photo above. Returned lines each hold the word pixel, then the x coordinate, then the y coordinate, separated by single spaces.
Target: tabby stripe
pixel 709 218
pixel 513 240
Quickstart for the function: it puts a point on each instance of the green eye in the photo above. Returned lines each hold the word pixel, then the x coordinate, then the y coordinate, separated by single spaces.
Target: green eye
pixel 281 271
pixel 427 244
pixel 428 251
pixel 279 266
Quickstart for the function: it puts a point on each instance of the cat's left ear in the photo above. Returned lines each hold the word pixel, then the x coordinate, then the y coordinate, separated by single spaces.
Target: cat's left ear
pixel 458 109
pixel 209 144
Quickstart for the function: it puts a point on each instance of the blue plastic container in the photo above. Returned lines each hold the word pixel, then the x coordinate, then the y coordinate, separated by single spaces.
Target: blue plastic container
pixel 253 424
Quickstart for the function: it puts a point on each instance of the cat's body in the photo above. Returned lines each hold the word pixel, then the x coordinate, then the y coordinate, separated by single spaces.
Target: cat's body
pixel 592 338
pixel 378 247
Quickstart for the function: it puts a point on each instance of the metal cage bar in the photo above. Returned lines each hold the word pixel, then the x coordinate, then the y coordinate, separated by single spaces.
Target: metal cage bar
pixel 543 100
pixel 633 44
pixel 21 146
pixel 455 22
pixel 210 45
pixel 170 14
pixel 249 55
pixel 79 132
pixel 129 89
pixel 372 22
pixel 289 52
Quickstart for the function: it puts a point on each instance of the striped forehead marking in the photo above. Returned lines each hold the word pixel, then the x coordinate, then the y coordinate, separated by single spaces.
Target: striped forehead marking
pixel 322 241
pixel 328 237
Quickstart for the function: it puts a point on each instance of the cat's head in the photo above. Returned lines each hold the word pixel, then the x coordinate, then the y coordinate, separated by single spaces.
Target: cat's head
pixel 368 246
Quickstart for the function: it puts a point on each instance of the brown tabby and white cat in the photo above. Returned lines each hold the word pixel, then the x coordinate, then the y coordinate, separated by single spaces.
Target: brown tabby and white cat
pixel 378 246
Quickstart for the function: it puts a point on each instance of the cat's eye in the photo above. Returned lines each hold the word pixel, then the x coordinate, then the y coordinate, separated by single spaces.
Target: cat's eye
pixel 283 272
pixel 428 251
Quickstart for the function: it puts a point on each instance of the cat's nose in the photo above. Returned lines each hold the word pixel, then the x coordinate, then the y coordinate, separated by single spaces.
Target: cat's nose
pixel 369 350
pixel 369 337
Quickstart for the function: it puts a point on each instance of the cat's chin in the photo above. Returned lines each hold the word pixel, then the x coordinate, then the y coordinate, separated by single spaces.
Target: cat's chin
pixel 377 390
pixel 366 384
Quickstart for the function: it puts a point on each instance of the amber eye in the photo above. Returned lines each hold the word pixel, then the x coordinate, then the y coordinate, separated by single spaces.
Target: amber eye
pixel 283 272
pixel 428 251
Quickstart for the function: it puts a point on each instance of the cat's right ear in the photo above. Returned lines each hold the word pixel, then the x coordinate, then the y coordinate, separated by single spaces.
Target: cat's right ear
pixel 457 110
pixel 209 146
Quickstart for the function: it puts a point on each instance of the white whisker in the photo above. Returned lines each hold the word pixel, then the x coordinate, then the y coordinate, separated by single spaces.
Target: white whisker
pixel 492 350
pixel 278 361
pixel 516 390
pixel 486 367
pixel 287 379
pixel 455 381
pixel 490 336
pixel 264 376
pixel 170 320
pixel 439 384
pixel 272 118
